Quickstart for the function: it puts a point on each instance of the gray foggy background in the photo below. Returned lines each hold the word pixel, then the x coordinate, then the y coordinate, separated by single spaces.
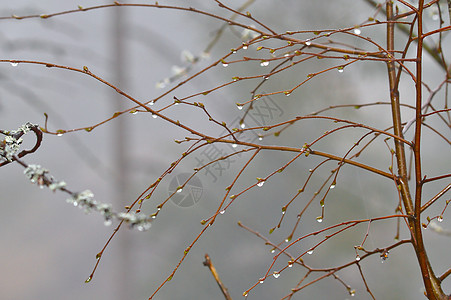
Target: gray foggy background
pixel 48 248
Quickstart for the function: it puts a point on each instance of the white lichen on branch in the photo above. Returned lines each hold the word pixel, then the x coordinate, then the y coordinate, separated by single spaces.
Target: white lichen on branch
pixel 9 148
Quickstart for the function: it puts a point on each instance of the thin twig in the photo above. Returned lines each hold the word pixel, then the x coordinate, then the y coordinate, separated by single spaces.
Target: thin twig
pixel 209 264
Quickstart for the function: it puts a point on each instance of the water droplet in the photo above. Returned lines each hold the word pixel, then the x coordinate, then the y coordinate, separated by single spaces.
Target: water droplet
pixel 59 134
pixel 14 63
pixel 234 145
pixel 352 293
pixel 239 106
pixel 340 70
pixel 133 111
pixel 357 31
pixel 308 42
pixel 107 222
pixel 179 190
pixel 266 77
pixel 290 264
pixel 261 280
pixel 440 219
pixel 287 93
pixel 88 279
pixel 151 103
pixel 222 212
pixel 332 186
pixel 384 256
pixel 260 138
pixel 154 116
pixel 273 250
pixel 225 65
pixel 310 252
pixel 242 125
pixel 276 274
pixel 287 239
pixel 264 63
pixel 245 47
pixel 260 183
pixel 319 219
pixel 245 294
pixel 357 257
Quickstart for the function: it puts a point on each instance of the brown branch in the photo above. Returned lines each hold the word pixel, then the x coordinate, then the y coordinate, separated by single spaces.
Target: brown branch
pixel 437 196
pixel 209 265
pixel 19 134
pixel 364 281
